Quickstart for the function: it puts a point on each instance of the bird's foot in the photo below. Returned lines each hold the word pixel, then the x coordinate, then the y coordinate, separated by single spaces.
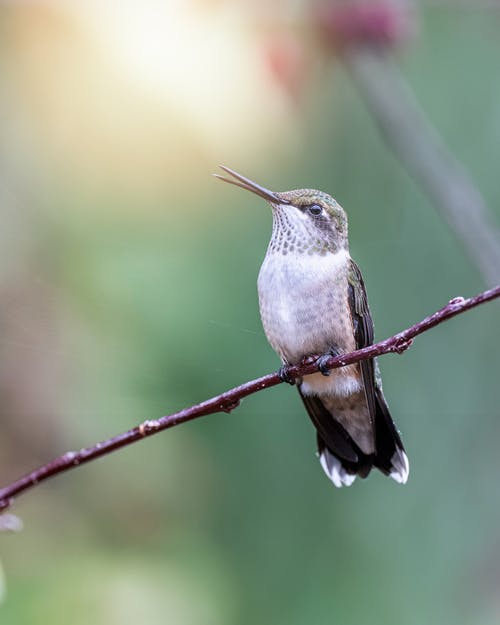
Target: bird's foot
pixel 284 374
pixel 322 361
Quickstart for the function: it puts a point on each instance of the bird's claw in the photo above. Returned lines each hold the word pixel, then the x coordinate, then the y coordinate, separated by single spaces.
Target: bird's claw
pixel 322 364
pixel 322 361
pixel 284 375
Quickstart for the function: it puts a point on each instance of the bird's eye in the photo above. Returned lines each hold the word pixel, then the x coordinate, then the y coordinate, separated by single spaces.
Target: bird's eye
pixel 314 209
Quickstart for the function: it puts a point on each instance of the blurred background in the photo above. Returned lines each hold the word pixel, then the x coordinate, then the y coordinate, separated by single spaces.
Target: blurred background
pixel 128 291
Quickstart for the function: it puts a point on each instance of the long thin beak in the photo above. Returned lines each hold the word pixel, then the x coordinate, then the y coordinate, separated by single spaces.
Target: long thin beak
pixel 249 185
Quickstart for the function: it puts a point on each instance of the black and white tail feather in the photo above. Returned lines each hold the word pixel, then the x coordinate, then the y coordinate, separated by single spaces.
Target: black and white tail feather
pixel 342 459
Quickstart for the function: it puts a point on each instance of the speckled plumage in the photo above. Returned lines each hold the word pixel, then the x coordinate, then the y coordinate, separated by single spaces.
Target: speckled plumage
pixel 304 310
pixel 312 301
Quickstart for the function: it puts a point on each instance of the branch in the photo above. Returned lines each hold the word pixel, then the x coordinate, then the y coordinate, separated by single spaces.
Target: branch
pixel 418 146
pixel 363 34
pixel 228 401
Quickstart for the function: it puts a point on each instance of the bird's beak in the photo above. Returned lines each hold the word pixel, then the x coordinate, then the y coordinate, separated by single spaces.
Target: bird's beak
pixel 249 185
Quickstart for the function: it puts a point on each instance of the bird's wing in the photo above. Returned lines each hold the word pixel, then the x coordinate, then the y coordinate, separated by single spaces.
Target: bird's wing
pixel 390 453
pixel 363 330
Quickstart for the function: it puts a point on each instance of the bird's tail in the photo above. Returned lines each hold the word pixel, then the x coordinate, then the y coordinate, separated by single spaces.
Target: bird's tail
pixel 340 456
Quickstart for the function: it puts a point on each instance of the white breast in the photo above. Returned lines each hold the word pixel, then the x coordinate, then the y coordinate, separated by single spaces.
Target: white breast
pixel 303 302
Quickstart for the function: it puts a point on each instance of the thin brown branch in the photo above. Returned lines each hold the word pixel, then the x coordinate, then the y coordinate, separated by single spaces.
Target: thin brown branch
pixel 417 145
pixel 226 402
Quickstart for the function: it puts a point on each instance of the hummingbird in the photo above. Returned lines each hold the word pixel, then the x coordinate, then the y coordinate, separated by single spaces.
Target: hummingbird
pixel 312 300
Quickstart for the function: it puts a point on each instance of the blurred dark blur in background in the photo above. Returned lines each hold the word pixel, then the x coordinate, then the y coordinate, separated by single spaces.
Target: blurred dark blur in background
pixel 127 281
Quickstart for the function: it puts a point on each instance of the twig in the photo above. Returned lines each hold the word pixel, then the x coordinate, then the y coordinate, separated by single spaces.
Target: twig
pixel 228 401
pixel 414 141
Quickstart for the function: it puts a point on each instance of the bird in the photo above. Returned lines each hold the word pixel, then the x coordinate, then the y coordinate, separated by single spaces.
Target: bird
pixel 312 300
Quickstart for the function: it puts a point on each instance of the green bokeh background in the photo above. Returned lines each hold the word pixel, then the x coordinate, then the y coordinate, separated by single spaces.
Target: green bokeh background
pixel 124 300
